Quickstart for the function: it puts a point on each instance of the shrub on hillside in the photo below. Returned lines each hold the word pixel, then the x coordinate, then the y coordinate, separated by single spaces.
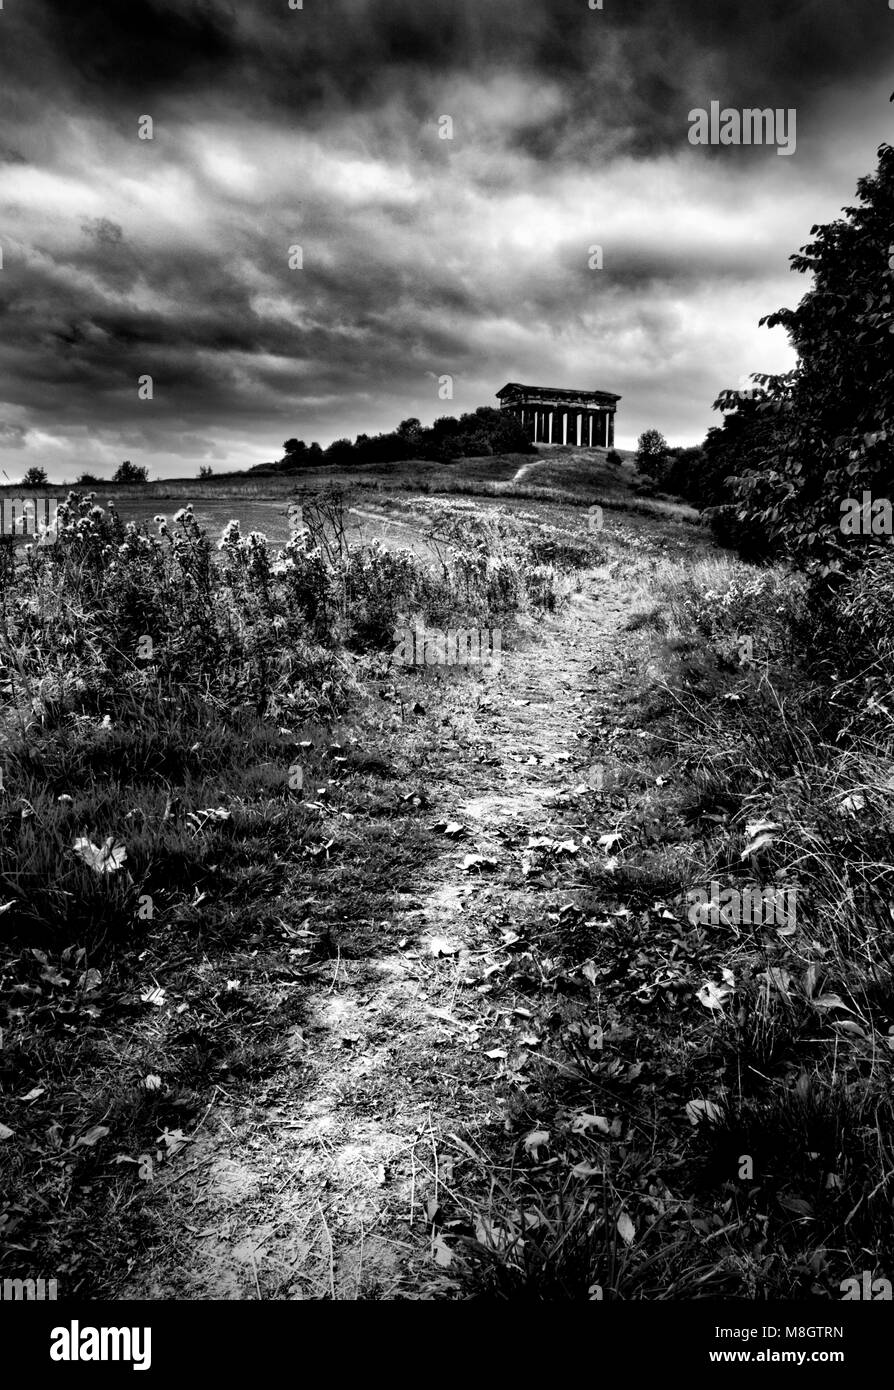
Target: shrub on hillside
pixel 128 472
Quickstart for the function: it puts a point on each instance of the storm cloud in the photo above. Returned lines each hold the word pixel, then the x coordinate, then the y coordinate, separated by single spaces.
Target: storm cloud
pixel 321 128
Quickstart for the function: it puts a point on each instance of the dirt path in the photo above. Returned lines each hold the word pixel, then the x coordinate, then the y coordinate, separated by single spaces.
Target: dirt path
pixel 321 1185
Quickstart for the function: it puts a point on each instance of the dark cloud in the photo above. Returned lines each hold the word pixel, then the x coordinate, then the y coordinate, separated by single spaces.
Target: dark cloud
pixel 422 256
pixel 141 46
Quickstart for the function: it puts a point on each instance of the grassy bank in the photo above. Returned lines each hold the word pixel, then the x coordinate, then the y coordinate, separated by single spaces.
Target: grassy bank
pixel 193 754
pixel 712 1114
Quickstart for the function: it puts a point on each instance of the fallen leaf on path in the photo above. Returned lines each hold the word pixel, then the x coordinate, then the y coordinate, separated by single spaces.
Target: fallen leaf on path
pixel 585 1121
pixel 441 1251
pixel 847 1025
pixel 451 828
pixel 626 1228
pixel 478 861
pixel 105 859
pixel 174 1140
pixel 535 1141
pixel 713 996
pixel 830 1001
pixel 92 1136
pixel 698 1110
pixel 440 946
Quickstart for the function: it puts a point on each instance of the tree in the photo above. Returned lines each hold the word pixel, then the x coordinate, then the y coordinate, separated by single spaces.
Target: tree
pixel 128 472
pixel 651 453
pixel 35 477
pixel 825 432
pixel 205 471
pixel 340 451
pixel 88 480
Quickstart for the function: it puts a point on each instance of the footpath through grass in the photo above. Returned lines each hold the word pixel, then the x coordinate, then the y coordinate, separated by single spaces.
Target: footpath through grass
pixel 179 721
pixel 326 976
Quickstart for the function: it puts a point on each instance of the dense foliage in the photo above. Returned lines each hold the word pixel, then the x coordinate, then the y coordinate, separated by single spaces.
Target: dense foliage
pixel 479 434
pixel 795 448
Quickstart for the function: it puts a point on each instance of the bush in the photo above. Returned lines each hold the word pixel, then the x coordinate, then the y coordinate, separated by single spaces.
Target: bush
pixel 128 472
pixel 806 441
pixel 484 432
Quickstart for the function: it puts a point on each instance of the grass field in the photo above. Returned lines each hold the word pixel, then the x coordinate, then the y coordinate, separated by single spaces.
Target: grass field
pixel 326 974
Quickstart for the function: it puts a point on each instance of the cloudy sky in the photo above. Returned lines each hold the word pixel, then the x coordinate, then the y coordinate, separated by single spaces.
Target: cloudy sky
pixel 321 127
